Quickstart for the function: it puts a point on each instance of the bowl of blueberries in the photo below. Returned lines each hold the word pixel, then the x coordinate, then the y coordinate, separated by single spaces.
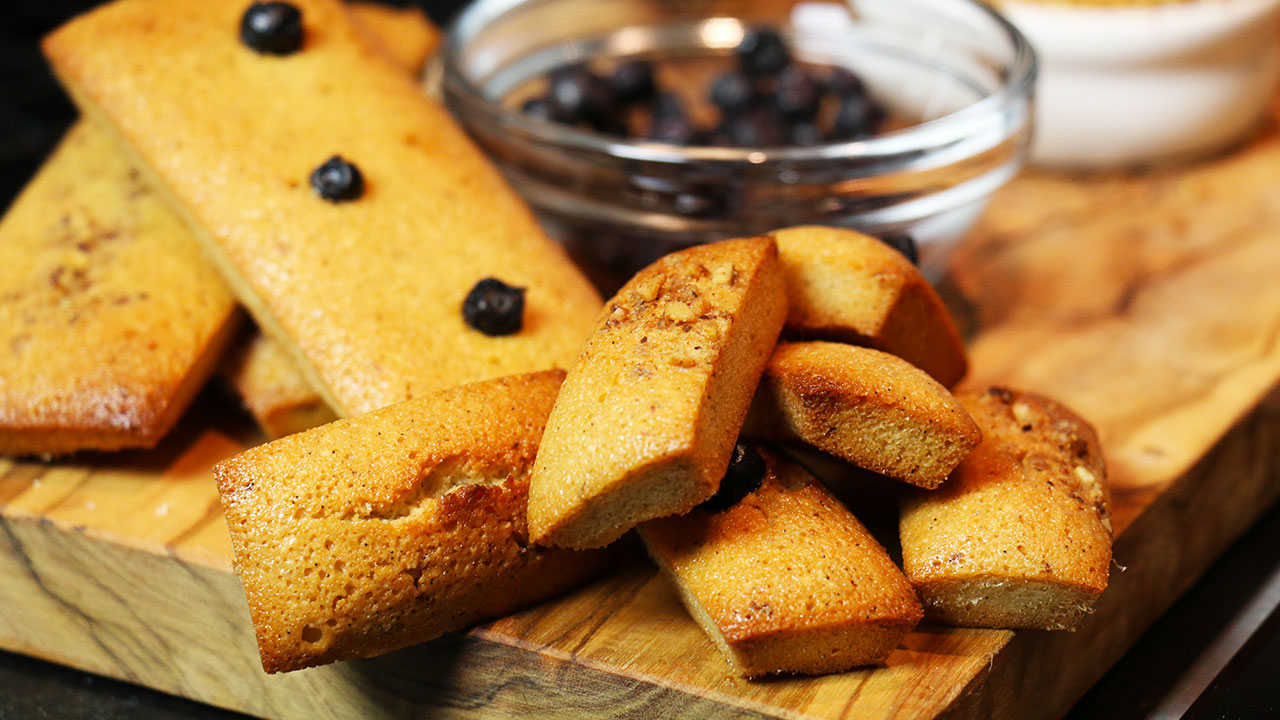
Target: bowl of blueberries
pixel 638 127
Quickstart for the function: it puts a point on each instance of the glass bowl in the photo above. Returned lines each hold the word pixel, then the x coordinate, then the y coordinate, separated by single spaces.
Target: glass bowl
pixel 959 72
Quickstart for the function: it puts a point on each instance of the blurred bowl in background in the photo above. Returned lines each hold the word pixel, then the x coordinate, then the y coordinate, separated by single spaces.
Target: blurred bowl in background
pixel 1135 84
pixel 959 73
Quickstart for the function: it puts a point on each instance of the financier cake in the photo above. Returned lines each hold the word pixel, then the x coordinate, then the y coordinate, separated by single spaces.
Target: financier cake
pixel 850 287
pixel 781 576
pixel 110 320
pixel 389 529
pixel 864 406
pixel 1020 535
pixel 646 421
pixel 347 211
pixel 271 388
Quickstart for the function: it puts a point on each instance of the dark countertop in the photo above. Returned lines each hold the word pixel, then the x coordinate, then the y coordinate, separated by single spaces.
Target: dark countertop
pixel 1213 655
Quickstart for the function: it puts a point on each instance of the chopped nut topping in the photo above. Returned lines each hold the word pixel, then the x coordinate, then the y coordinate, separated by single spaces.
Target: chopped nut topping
pixel 680 312
pixel 649 289
pixel 1022 413
pixel 723 274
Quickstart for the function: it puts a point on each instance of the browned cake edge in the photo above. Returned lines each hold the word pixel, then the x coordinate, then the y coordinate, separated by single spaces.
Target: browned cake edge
pixel 831 408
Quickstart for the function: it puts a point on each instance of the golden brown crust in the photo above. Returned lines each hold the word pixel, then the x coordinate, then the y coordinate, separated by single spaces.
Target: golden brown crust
pixel 110 321
pixel 1020 535
pixel 787 580
pixel 870 408
pixel 648 416
pixel 850 287
pixel 365 294
pixel 404 34
pixel 271 388
pixel 389 529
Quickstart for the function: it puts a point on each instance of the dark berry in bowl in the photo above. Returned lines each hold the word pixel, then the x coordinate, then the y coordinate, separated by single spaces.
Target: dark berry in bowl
pixel 673 129
pixel 337 180
pixel 858 116
pixel 756 127
pixel 272 28
pixel 904 244
pixel 733 91
pixel 744 476
pixel 667 104
pixel 804 134
pixel 843 81
pixel 797 93
pixel 763 52
pixel 633 81
pixel 494 307
pixel 578 95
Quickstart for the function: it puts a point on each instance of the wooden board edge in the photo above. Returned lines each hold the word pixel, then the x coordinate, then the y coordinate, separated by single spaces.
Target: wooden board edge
pixel 114 610
pixel 1166 550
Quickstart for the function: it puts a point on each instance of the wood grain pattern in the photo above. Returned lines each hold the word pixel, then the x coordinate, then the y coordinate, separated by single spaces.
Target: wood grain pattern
pixel 1148 303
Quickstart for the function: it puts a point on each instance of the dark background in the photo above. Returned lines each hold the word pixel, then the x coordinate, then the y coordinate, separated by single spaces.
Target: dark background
pixel 34 113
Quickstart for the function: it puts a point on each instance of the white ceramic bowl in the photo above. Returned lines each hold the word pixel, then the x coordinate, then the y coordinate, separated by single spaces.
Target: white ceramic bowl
pixel 1130 85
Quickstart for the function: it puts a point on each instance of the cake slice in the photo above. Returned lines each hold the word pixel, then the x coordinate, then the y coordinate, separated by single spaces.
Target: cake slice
pixel 389 529
pixel 850 287
pixel 1020 535
pixel 870 408
pixel 346 211
pixel 646 421
pixel 271 388
pixel 110 320
pixel 781 576
pixel 404 34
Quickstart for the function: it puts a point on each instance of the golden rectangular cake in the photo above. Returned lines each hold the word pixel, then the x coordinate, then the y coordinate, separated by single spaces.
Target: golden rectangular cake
pixel 1020 535
pixel 786 580
pixel 366 293
pixel 389 529
pixel 648 416
pixel 850 287
pixel 110 320
pixel 271 388
pixel 864 406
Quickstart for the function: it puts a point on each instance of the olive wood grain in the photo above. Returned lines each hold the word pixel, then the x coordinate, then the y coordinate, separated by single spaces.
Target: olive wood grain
pixel 1147 302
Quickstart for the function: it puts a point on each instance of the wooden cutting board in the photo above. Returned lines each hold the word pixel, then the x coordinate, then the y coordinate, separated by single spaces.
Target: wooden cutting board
pixel 1150 303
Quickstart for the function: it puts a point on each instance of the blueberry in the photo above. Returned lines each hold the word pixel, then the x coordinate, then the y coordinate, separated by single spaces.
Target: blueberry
pixel 494 307
pixel 763 52
pixel 272 28
pixel 633 81
pixel 667 104
pixel 804 134
pixel 757 127
pixel 842 81
pixel 904 244
pixel 744 476
pixel 673 129
pixel 797 93
pixel 733 91
pixel 536 108
pixel 579 95
pixel 337 180
pixel 858 116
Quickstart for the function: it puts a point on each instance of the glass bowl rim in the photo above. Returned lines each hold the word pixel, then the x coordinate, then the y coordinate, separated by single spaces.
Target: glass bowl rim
pixel 1022 73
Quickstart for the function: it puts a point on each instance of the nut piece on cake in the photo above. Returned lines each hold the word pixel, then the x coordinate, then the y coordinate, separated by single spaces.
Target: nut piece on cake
pixel 786 580
pixel 850 287
pixel 370 534
pixel 870 408
pixel 647 419
pixel 1020 535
